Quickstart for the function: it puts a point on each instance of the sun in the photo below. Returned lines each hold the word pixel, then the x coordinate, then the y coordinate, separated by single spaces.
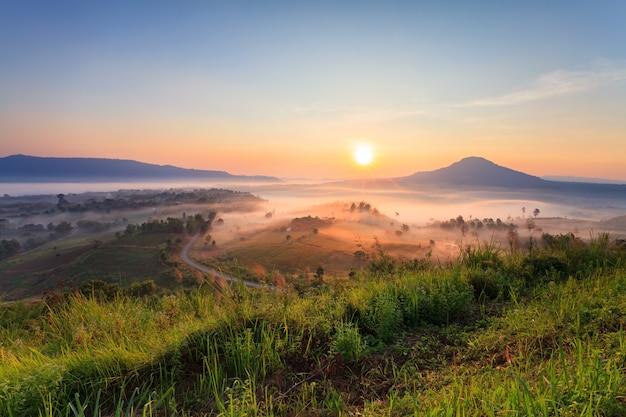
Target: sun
pixel 363 154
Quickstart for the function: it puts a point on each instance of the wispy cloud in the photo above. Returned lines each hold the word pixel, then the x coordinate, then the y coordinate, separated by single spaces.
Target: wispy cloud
pixel 554 84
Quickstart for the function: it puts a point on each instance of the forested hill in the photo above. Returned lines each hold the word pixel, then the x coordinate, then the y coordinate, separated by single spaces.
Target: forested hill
pixel 18 168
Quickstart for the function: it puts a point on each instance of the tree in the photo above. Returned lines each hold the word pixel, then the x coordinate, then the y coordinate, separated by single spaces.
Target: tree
pixel 319 274
pixel 63 227
pixel 523 211
pixel 536 212
pixel 8 248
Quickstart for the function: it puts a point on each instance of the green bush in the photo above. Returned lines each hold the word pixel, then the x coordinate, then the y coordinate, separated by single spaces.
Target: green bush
pixel 541 267
pixel 489 284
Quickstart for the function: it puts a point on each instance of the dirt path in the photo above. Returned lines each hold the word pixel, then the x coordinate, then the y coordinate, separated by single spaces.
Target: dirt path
pixel 185 257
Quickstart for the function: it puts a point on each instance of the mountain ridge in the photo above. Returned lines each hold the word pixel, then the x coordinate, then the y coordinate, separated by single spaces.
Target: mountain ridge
pixel 479 173
pixel 25 168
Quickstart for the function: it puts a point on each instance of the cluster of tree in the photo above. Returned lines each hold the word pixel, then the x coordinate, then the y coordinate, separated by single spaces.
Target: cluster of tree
pixel 363 207
pixel 136 199
pixel 189 224
pixel 310 223
pixel 101 290
pixel 60 229
pixel 198 223
pixel 8 248
pixel 93 225
pixel 34 235
pixel 488 223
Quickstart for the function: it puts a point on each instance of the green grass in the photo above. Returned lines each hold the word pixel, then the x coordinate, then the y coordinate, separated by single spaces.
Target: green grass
pixel 119 261
pixel 549 340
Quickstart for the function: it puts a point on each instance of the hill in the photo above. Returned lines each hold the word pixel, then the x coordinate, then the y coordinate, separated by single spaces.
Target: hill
pixel 480 174
pixel 476 172
pixel 24 168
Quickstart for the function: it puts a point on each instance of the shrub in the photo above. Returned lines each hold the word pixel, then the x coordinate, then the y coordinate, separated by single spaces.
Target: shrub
pixel 541 268
pixel 99 290
pixel 142 289
pixel 488 284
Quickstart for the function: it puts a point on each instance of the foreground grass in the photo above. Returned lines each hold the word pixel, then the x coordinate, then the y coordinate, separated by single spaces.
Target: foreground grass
pixel 494 334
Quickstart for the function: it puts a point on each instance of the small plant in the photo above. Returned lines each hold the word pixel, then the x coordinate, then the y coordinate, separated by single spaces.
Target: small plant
pixel 489 284
pixel 485 256
pixel 347 342
pixel 383 316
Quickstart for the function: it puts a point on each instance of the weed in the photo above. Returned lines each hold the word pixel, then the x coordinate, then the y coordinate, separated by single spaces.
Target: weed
pixel 347 343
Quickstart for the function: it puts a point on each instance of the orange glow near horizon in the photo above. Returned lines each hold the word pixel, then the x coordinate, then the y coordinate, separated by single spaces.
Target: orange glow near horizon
pixel 303 149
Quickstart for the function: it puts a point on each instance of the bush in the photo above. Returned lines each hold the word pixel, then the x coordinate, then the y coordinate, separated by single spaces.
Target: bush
pixel 99 290
pixel 142 289
pixel 541 268
pixel 488 284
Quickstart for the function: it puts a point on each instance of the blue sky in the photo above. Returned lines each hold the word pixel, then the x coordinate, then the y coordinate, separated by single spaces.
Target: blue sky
pixel 277 88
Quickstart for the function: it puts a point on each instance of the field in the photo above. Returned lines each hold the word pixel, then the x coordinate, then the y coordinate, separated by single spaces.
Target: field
pixel 94 245
pixel 259 246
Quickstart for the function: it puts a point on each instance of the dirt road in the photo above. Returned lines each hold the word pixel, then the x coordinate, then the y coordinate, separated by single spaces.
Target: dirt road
pixel 185 257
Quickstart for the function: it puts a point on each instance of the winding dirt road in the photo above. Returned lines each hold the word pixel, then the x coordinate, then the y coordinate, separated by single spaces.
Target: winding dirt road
pixel 185 257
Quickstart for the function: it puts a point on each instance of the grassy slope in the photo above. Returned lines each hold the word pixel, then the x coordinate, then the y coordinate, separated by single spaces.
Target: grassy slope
pixel 117 261
pixel 536 342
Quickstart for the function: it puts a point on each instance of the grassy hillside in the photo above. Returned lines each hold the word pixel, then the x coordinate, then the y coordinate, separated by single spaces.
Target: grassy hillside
pixel 120 261
pixel 492 334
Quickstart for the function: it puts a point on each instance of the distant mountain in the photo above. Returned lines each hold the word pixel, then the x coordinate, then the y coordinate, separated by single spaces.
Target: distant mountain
pixel 479 173
pixel 475 172
pixel 23 168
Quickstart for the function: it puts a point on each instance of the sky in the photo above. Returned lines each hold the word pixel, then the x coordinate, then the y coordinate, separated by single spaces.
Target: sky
pixel 292 89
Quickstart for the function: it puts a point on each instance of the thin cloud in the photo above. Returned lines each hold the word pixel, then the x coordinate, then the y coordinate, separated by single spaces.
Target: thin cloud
pixel 554 84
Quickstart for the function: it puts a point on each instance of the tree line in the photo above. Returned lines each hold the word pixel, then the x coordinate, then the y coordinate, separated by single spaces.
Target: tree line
pixel 187 224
